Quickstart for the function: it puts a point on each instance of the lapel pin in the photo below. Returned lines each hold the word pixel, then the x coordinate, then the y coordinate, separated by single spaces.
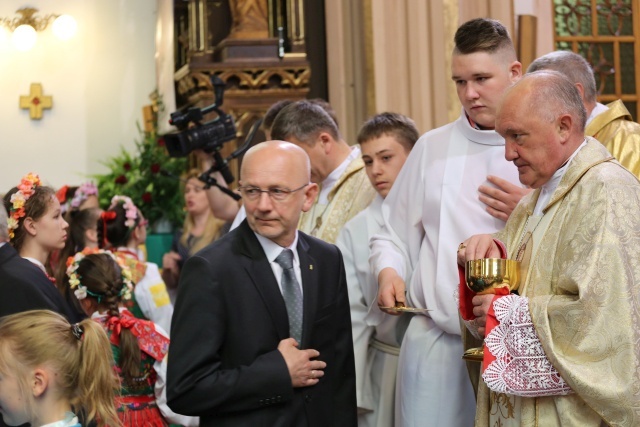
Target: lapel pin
pixel 310 266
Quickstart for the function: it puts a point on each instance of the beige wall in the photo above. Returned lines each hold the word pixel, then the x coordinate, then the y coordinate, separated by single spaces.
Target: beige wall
pixel 99 81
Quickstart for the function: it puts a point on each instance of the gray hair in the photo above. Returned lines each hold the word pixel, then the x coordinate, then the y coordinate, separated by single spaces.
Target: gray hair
pixel 4 226
pixel 303 120
pixel 555 95
pixel 572 65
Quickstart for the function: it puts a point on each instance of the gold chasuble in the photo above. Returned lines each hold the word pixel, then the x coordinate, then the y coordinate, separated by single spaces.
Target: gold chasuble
pixel 583 286
pixel 351 194
pixel 616 130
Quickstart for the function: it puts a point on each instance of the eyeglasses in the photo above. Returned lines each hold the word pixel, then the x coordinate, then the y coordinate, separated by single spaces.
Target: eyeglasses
pixel 275 193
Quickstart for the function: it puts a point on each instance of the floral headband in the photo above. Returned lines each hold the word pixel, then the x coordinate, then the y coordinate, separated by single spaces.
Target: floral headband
pixel 26 188
pixel 81 291
pixel 82 193
pixel 131 212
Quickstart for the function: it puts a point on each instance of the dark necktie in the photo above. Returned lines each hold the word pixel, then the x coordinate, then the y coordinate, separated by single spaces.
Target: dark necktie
pixel 291 293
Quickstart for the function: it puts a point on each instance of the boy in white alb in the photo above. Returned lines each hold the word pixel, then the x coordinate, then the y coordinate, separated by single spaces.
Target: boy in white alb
pixel 385 141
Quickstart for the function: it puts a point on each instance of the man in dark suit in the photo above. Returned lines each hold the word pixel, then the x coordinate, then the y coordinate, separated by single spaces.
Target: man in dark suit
pixel 233 359
pixel 23 286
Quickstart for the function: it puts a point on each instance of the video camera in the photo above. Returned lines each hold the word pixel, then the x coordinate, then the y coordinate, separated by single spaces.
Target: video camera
pixel 209 136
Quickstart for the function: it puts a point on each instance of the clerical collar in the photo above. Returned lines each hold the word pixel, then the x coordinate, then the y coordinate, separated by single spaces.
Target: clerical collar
pixel 272 249
pixel 599 109
pixel 546 191
pixel 334 176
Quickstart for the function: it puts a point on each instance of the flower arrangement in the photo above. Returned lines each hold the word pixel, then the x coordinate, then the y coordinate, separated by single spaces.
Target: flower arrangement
pixel 81 291
pixel 138 176
pixel 26 188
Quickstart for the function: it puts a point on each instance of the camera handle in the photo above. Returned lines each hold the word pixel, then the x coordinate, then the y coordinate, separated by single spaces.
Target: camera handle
pixel 210 181
pixel 222 165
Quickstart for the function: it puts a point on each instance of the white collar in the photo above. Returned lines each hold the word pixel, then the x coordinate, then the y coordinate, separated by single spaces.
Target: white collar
pixel 484 137
pixel 598 109
pixel 37 263
pixel 334 176
pixel 2 244
pixel 272 249
pixel 69 420
pixel 550 186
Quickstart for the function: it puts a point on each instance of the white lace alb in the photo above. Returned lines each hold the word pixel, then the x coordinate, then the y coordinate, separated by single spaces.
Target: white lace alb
pixel 521 367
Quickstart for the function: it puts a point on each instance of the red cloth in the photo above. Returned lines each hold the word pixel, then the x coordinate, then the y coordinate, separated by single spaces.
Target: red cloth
pixel 135 411
pixel 150 341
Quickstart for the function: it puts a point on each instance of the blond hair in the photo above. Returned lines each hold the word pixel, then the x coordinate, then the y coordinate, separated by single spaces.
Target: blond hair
pixel 212 227
pixel 80 355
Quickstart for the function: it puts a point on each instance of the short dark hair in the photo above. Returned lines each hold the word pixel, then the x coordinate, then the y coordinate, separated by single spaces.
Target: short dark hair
pixel 398 126
pixel 273 111
pixel 303 120
pixel 326 107
pixel 572 65
pixel 482 35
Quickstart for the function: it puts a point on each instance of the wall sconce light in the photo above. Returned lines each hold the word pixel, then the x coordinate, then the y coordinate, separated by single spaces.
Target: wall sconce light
pixel 25 27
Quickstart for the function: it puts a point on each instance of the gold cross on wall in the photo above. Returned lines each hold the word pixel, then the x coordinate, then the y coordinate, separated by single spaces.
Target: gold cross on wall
pixel 36 101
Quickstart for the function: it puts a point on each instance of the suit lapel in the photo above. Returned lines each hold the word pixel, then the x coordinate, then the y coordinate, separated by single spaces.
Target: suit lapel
pixel 309 274
pixel 259 270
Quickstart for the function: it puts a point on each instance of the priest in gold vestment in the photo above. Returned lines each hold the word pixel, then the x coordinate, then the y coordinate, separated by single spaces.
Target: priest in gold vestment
pixel 610 124
pixel 337 168
pixel 566 351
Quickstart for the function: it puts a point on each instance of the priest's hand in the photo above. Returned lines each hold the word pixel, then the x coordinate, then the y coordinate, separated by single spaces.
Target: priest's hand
pixel 477 247
pixel 304 372
pixel 502 199
pixel 481 304
pixel 391 289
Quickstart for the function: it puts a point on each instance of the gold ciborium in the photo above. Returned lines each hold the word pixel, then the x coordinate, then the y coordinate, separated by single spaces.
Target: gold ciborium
pixel 484 276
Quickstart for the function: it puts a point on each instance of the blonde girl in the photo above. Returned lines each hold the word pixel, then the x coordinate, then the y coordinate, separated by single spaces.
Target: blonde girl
pixel 50 369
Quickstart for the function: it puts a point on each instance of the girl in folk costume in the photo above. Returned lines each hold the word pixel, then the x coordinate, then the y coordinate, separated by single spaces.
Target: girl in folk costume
pixel 36 225
pixel 73 199
pixel 43 384
pixel 100 281
pixel 122 229
pixel 83 233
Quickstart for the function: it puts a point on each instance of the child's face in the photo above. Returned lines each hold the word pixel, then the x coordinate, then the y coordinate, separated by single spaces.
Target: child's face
pixel 51 227
pixel 12 405
pixel 383 158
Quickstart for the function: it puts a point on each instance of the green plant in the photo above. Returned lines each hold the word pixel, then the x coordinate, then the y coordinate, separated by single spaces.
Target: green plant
pixel 137 175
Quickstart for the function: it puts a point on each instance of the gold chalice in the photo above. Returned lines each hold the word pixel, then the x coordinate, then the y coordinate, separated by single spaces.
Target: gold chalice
pixel 484 276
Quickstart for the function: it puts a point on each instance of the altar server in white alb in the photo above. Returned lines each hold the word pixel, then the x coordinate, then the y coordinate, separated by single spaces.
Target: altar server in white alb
pixel 433 202
pixel 385 141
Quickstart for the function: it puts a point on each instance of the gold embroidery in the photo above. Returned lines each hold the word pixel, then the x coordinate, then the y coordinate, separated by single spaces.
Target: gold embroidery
pixel 502 403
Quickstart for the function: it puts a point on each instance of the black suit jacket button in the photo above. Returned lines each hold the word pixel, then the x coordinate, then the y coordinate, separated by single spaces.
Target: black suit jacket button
pixel 307 398
pixel 261 402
